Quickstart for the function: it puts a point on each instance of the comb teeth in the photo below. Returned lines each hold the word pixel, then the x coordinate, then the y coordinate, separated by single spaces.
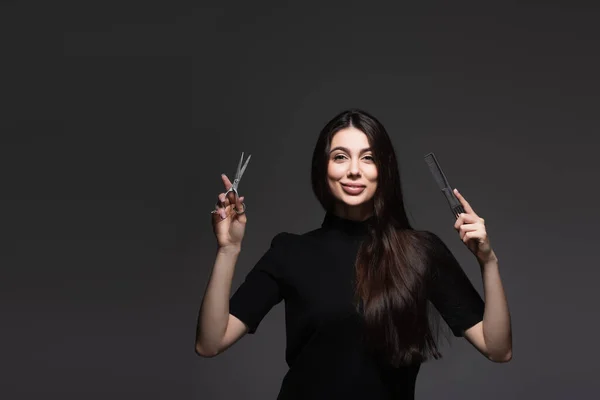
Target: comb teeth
pixel 436 171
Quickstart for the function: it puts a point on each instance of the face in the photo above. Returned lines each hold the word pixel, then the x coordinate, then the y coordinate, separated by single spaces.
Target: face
pixel 352 163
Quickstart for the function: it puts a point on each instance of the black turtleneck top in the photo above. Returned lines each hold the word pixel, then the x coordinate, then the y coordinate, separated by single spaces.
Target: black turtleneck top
pixel 314 274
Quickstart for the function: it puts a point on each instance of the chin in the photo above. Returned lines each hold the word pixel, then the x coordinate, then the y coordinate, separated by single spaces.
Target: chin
pixel 354 200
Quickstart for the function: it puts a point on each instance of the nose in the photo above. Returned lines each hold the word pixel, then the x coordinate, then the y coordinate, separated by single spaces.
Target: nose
pixel 354 169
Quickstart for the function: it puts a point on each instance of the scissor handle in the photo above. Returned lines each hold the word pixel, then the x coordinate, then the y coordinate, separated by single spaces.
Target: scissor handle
pixel 234 190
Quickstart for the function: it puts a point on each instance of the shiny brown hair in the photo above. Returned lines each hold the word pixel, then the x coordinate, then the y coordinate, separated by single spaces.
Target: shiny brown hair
pixel 392 262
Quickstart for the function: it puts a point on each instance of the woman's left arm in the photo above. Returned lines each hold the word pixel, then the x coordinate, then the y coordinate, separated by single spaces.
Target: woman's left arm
pixel 492 336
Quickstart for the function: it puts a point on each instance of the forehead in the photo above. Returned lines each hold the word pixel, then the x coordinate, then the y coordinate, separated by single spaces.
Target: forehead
pixel 351 138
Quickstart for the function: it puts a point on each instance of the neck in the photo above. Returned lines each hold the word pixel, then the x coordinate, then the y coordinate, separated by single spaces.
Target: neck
pixel 332 222
pixel 361 212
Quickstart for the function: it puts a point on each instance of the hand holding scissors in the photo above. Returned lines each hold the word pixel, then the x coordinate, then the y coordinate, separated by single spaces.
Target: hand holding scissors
pixel 230 231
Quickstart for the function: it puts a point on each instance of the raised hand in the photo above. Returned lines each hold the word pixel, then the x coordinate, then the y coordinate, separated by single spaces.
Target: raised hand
pixel 229 226
pixel 471 229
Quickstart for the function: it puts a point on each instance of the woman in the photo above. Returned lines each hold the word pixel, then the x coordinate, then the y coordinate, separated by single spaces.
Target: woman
pixel 358 289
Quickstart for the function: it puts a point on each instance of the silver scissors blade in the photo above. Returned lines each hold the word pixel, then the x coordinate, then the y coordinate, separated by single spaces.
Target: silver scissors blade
pixel 238 173
pixel 240 169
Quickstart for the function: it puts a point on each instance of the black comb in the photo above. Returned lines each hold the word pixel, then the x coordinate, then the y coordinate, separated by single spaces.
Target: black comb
pixel 443 184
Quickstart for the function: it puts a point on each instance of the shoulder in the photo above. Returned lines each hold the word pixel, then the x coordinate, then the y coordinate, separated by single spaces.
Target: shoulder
pixel 280 239
pixel 425 239
pixel 290 244
pixel 430 239
pixel 300 237
pixel 284 239
pixel 289 250
pixel 432 246
pixel 285 242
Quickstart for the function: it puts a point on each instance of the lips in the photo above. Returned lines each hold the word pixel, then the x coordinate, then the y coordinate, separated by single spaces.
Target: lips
pixel 352 185
pixel 353 190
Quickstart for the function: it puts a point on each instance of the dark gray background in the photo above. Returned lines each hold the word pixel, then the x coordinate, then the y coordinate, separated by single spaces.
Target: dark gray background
pixel 116 120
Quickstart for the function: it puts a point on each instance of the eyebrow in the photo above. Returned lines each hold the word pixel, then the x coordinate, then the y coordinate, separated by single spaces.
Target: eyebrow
pixel 348 151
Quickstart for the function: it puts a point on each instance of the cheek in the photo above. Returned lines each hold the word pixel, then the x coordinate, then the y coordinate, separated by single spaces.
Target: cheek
pixel 371 175
pixel 335 172
pixel 374 185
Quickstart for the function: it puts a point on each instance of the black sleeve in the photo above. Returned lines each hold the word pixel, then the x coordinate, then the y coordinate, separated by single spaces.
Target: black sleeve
pixel 260 291
pixel 451 291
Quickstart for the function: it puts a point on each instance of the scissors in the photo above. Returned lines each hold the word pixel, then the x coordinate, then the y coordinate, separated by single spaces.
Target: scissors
pixel 238 176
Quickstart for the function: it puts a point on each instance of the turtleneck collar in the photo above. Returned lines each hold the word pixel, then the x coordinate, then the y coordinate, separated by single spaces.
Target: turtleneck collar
pixel 351 227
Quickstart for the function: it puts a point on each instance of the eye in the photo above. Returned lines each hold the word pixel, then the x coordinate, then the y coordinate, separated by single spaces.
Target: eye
pixel 337 157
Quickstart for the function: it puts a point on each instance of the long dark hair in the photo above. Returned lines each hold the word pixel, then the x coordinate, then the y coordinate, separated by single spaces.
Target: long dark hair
pixel 391 263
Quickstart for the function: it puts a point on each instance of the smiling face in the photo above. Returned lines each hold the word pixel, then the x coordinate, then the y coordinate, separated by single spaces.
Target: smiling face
pixel 351 162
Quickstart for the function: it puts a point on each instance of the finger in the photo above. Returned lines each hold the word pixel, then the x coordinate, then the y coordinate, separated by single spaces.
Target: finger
pixel 238 203
pixel 240 207
pixel 219 214
pixel 468 228
pixel 226 182
pixel 472 235
pixel 463 218
pixel 464 202
pixel 221 205
pixel 467 235
pixel 464 237
pixel 468 219
pixel 459 221
pixel 223 200
pixel 232 198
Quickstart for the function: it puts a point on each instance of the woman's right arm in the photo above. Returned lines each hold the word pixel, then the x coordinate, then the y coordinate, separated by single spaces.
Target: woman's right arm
pixel 217 329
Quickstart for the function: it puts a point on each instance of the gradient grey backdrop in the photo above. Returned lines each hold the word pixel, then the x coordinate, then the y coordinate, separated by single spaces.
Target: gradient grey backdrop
pixel 117 119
